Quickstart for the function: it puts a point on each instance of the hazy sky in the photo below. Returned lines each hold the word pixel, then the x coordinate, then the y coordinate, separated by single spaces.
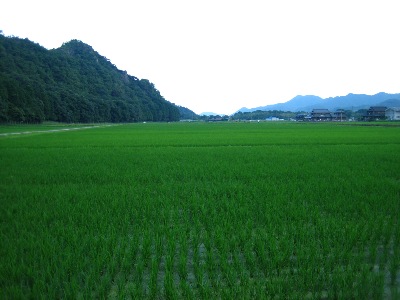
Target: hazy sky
pixel 221 55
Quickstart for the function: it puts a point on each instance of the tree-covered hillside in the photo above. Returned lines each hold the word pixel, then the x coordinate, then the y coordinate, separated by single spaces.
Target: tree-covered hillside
pixel 186 113
pixel 72 84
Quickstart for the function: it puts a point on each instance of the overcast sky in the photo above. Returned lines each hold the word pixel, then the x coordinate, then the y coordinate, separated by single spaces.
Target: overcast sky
pixel 221 55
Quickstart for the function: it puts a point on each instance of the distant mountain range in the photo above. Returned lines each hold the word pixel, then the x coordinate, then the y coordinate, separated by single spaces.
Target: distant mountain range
pixel 349 102
pixel 207 113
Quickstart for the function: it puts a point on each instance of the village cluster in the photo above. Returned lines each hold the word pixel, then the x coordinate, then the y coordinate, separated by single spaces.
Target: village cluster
pixel 374 113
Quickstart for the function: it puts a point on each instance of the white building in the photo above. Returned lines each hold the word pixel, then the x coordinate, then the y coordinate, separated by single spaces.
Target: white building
pixel 273 119
pixel 393 113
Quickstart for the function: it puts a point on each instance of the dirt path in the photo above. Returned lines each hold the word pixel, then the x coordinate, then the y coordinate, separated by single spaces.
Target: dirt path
pixel 53 130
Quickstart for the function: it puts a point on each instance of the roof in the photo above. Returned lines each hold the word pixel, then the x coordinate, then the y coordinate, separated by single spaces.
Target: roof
pixel 377 108
pixel 320 110
pixel 393 108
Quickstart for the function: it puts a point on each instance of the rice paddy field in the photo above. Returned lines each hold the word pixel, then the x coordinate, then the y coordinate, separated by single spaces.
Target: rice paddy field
pixel 201 211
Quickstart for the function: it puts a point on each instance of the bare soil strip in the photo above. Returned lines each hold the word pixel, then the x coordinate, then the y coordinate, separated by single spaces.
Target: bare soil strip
pixel 52 130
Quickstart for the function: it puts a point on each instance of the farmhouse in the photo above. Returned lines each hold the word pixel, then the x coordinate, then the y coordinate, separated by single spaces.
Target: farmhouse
pixel 339 115
pixel 300 117
pixel 321 115
pixel 375 113
pixel 393 113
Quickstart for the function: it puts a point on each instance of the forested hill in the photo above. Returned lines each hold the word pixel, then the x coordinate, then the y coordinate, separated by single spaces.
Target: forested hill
pixel 72 84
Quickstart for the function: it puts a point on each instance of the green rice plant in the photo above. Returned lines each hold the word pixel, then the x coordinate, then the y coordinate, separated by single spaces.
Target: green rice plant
pixel 169 286
pixel 394 264
pixel 187 290
pixel 154 277
pixel 182 271
pixel 138 276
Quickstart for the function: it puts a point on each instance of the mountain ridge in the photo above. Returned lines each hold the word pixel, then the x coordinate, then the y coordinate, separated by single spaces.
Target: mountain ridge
pixel 308 102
